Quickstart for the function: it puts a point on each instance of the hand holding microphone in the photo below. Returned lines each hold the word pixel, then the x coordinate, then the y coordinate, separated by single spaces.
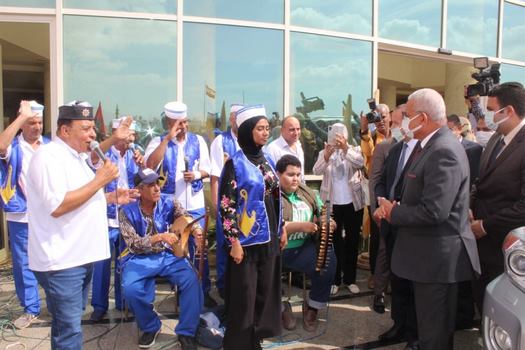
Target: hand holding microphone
pixel 109 171
pixel 137 156
pixel 189 175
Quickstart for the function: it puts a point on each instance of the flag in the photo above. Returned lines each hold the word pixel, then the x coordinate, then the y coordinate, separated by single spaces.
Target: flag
pixel 210 92
pixel 99 123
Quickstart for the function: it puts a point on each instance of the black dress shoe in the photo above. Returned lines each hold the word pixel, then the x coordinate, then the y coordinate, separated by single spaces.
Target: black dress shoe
pixel 187 342
pixel 412 345
pixel 379 304
pixel 396 333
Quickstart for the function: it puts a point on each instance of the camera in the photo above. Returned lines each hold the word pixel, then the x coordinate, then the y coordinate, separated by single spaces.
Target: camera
pixel 486 78
pixel 373 116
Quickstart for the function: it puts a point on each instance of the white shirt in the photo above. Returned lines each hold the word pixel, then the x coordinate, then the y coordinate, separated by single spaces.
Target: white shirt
pixel 278 148
pixel 427 138
pixel 77 237
pixel 217 155
pixel 183 189
pixel 410 147
pixel 27 154
pixel 510 136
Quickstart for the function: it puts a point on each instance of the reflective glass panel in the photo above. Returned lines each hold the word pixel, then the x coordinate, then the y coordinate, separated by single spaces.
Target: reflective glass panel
pixel 479 36
pixel 227 64
pixel 511 72
pixel 345 16
pixel 162 6
pixel 513 32
pixel 249 10
pixel 28 3
pixel 413 21
pixel 331 78
pixel 127 65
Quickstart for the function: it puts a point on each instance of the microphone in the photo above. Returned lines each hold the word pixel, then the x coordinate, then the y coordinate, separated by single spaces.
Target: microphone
pixel 186 164
pixel 94 146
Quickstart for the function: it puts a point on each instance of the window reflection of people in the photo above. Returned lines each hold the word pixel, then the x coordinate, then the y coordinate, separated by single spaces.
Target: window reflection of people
pixel 338 164
pixel 68 228
pixel 249 189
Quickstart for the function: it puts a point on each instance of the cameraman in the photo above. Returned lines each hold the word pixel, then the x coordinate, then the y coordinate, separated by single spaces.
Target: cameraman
pixel 369 140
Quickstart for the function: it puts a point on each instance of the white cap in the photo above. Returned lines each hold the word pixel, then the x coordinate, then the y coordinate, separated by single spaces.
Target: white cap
pixel 248 112
pixel 116 123
pixel 175 110
pixel 234 108
pixel 37 108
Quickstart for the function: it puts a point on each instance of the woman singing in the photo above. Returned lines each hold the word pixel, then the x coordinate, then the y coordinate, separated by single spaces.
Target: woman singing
pixel 250 212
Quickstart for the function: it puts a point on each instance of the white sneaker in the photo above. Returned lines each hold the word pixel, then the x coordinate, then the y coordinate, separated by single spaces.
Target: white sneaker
pixel 354 289
pixel 334 290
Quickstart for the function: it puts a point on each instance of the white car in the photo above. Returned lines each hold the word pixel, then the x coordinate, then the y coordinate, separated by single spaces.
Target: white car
pixel 504 303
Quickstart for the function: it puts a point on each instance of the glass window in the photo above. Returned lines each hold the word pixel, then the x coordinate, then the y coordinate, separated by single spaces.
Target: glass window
pixel 511 72
pixel 513 32
pixel 164 6
pixel 249 10
pixel 413 21
pixel 28 3
pixel 331 78
pixel 344 16
pixel 127 65
pixel 479 36
pixel 227 64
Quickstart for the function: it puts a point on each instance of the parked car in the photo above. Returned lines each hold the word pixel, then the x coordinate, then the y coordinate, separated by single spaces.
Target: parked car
pixel 504 303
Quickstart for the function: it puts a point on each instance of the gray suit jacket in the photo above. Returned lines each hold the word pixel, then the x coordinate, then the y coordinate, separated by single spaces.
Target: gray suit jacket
pixel 434 241
pixel 378 159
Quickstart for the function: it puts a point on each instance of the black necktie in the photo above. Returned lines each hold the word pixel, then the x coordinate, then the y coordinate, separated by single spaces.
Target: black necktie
pixel 497 150
pixel 399 169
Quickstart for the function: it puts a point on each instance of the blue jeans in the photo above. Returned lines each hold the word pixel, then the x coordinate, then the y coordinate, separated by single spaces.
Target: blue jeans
pixel 102 277
pixel 66 297
pixel 138 285
pixel 303 259
pixel 26 285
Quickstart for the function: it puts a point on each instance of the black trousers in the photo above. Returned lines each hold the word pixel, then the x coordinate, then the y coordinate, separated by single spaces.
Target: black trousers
pixel 346 249
pixel 253 302
pixel 436 314
pixel 374 243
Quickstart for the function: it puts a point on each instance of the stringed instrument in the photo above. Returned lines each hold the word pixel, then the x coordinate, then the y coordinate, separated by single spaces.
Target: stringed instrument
pixel 182 228
pixel 324 238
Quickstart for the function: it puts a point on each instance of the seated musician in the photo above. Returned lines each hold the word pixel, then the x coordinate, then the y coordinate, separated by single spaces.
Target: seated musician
pixel 144 228
pixel 301 206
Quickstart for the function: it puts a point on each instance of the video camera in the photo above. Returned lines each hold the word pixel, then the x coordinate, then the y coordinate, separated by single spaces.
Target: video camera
pixel 486 78
pixel 373 116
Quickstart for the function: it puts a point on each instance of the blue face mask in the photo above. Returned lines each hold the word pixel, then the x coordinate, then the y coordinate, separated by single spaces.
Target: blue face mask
pixel 489 119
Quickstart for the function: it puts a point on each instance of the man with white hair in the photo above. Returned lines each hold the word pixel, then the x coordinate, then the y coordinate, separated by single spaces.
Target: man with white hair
pixel 435 247
pixel 15 154
pixel 222 148
pixel 182 159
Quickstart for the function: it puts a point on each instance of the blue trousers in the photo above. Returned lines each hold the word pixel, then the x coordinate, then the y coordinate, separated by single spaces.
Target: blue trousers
pixel 26 284
pixel 303 259
pixel 206 283
pixel 66 298
pixel 138 283
pixel 102 276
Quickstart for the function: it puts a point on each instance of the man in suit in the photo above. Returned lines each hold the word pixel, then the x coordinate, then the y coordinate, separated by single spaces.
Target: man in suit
pixel 389 186
pixel 472 149
pixel 434 248
pixel 382 264
pixel 498 201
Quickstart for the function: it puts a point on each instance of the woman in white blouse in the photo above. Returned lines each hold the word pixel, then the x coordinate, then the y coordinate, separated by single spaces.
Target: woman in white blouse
pixel 340 165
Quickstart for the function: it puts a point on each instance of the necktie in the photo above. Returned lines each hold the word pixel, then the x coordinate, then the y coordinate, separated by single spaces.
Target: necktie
pixel 497 150
pixel 399 169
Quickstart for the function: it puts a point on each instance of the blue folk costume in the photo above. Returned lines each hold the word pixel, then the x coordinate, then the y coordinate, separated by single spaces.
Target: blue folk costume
pixel 250 211
pixel 168 170
pixel 102 269
pixel 139 272
pixel 13 200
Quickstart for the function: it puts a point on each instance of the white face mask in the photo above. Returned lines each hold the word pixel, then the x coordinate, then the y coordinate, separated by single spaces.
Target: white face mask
pixel 396 133
pixel 404 125
pixel 483 137
pixel 489 119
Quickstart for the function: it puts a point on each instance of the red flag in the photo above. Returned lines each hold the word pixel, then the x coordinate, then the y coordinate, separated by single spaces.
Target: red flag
pixel 99 123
